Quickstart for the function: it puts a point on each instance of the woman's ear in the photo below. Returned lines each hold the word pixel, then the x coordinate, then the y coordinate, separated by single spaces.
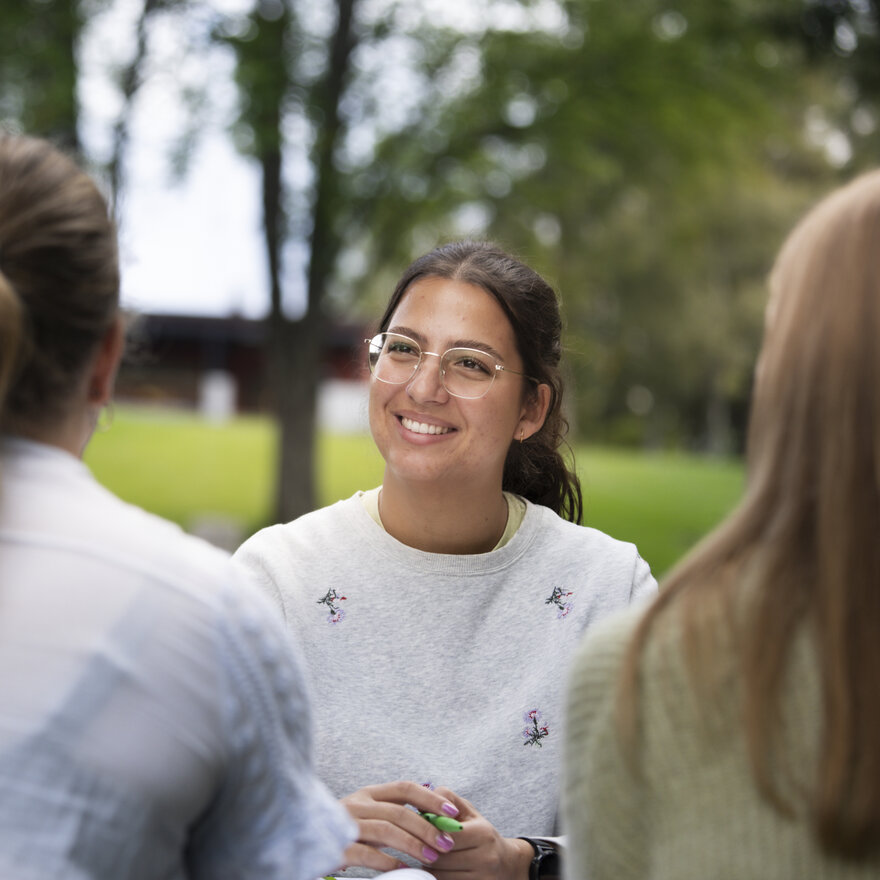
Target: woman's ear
pixel 534 412
pixel 106 364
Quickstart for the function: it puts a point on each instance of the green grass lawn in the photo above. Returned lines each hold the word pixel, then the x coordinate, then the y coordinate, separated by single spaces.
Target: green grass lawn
pixel 180 467
pixel 663 502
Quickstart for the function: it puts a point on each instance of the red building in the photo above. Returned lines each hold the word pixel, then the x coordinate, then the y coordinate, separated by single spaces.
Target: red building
pixel 170 357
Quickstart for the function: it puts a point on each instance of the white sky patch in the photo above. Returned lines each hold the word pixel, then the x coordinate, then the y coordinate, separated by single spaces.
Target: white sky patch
pixel 195 248
pixel 188 246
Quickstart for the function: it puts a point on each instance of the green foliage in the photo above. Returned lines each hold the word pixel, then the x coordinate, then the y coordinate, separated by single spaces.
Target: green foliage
pixel 177 465
pixel 262 73
pixel 843 38
pixel 38 73
pixel 648 158
pixel 649 161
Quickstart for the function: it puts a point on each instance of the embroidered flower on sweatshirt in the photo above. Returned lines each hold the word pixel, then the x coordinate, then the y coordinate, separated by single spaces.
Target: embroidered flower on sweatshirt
pixel 561 600
pixel 535 729
pixel 331 600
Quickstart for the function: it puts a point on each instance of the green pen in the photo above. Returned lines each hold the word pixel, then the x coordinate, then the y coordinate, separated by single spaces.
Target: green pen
pixel 443 823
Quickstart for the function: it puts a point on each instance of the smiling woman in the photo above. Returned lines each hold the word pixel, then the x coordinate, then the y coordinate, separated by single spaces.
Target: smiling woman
pixel 470 557
pixel 446 451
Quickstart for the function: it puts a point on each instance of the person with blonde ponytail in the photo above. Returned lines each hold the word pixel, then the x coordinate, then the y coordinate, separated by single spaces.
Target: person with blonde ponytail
pixel 733 729
pixel 439 610
pixel 153 715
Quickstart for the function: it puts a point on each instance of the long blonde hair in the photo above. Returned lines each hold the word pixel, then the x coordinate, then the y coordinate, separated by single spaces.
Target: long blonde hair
pixel 805 540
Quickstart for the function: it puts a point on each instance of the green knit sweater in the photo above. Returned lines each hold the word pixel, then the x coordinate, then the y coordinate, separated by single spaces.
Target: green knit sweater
pixel 694 811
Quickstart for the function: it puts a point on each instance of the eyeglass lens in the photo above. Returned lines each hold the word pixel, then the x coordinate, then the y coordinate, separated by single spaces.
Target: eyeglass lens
pixel 464 372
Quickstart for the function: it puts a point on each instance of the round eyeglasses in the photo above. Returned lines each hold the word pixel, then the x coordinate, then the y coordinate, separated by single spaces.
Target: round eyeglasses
pixel 464 372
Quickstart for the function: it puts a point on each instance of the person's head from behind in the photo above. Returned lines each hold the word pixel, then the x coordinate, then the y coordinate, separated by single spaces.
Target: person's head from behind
pixel 473 295
pixel 59 290
pixel 801 550
pixel 814 443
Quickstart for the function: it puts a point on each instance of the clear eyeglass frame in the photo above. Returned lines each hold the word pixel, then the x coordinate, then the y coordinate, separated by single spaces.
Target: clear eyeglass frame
pixel 395 359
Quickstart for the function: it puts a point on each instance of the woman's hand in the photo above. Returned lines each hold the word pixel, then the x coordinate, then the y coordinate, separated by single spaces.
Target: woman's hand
pixel 384 820
pixel 480 852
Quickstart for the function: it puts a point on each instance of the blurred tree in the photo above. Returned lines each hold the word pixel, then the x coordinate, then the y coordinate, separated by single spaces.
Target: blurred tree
pixel 38 44
pixel 274 87
pixel 648 158
pixel 130 78
pixel 844 36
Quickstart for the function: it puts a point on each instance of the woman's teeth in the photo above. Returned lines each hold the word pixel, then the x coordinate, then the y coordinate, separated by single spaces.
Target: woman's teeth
pixel 422 428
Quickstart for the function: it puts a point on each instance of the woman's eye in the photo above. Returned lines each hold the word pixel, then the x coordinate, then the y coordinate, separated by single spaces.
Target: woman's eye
pixel 401 348
pixel 471 364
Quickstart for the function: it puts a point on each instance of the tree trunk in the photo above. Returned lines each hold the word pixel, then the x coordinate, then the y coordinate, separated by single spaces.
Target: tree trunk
pixel 300 346
pixel 130 83
pixel 294 359
pixel 299 375
pixel 70 25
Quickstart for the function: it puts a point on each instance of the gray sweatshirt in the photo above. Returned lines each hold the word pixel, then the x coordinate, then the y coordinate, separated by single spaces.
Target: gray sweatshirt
pixel 443 669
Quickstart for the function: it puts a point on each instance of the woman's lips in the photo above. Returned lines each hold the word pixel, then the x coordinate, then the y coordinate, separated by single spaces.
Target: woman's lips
pixel 422 427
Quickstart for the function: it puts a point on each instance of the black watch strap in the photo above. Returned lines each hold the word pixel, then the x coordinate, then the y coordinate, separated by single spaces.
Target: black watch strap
pixel 545 863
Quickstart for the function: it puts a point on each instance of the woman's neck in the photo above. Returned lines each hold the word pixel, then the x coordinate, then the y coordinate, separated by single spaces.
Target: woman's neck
pixel 438 521
pixel 70 434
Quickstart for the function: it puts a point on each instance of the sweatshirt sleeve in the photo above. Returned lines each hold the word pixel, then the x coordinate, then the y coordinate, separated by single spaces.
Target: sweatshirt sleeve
pixel 644 585
pixel 255 556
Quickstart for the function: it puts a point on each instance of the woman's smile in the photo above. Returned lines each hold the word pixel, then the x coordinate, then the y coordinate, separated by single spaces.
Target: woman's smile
pixel 419 427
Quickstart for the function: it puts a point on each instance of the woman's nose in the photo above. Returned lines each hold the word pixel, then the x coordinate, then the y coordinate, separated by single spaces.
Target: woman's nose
pixel 427 383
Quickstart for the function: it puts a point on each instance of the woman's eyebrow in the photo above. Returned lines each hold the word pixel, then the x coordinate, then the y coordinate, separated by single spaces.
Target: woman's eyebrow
pixel 482 346
pixel 458 343
pixel 407 331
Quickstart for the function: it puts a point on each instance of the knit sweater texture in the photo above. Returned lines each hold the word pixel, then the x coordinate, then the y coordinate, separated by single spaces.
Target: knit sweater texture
pixel 693 811
pixel 447 670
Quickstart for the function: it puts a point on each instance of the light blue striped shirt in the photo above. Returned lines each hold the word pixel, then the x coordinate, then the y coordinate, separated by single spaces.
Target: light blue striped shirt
pixel 154 721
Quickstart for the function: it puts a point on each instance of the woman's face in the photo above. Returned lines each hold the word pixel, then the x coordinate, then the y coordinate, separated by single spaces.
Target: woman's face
pixel 423 432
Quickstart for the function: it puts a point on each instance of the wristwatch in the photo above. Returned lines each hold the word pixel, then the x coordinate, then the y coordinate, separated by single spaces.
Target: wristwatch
pixel 545 864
